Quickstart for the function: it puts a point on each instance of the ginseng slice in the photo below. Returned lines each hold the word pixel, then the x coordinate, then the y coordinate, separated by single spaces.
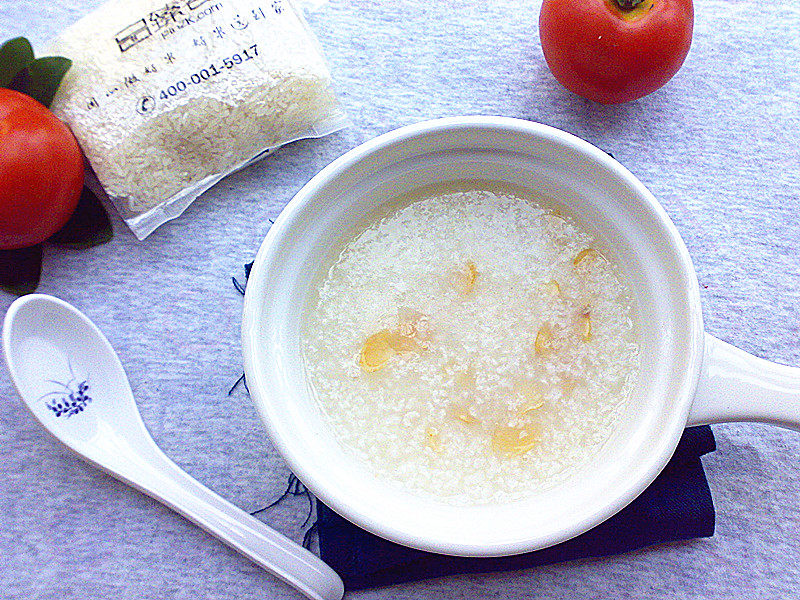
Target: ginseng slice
pixel 553 289
pixel 529 407
pixel 532 395
pixel 465 278
pixel 583 254
pixel 376 351
pixel 544 340
pixel 513 441
pixel 585 325
pixel 432 439
pixel 463 415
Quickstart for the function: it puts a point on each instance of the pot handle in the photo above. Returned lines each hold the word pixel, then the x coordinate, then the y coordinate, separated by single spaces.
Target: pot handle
pixel 737 386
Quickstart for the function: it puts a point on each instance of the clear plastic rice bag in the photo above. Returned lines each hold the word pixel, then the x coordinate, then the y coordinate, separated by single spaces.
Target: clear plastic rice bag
pixel 168 97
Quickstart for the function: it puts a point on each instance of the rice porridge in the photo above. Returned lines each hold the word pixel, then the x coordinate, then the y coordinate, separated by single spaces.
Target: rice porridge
pixel 474 344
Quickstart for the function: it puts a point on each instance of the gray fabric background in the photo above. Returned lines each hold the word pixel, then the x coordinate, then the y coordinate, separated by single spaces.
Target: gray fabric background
pixel 718 146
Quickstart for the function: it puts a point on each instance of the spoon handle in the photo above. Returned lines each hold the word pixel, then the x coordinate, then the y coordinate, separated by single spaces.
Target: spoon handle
pixel 150 471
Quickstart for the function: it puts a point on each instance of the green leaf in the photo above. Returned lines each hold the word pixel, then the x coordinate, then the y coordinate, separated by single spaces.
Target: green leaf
pixel 20 270
pixel 40 79
pixel 15 55
pixel 88 226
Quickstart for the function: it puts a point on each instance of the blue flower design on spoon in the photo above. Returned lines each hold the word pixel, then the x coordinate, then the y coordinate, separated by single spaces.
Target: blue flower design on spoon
pixel 70 400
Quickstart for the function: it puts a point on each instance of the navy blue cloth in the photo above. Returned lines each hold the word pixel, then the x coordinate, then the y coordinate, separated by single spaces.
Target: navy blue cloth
pixel 676 506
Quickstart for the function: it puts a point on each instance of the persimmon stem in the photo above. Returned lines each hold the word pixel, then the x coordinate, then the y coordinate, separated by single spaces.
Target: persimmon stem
pixel 627 5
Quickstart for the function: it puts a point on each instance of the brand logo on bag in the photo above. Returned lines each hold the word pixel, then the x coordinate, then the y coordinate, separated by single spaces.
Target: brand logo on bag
pixel 166 20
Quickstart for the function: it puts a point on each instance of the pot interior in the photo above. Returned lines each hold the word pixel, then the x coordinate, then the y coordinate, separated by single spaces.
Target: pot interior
pixel 601 195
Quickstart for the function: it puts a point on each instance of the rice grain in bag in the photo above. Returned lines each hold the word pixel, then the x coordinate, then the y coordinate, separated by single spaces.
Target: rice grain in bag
pixel 167 98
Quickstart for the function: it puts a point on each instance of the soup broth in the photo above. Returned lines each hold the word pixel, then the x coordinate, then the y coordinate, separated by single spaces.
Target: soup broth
pixel 474 344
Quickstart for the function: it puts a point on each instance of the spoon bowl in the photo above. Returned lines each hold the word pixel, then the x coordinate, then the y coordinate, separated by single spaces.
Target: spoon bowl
pixel 71 379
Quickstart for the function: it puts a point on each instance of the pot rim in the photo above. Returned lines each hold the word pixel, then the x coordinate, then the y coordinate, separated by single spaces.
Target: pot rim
pixel 384 527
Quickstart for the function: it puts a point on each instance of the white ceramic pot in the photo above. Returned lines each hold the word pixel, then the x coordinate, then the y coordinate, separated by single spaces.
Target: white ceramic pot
pixel 687 377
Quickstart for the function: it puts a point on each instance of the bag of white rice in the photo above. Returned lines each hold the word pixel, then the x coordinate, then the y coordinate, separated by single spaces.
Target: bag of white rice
pixel 167 98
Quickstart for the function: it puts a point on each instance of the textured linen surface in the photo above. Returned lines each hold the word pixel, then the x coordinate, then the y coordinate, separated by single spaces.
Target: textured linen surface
pixel 719 146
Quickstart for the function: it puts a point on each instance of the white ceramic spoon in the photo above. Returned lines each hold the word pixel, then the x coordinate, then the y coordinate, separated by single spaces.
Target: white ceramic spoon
pixel 73 382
